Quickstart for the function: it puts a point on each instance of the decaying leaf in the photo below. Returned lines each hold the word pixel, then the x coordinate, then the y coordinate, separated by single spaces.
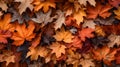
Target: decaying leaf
pixel 58 49
pixel 7 56
pixel 23 33
pixel 105 54
pixel 43 4
pixel 101 10
pixel 63 35
pixel 24 5
pixel 84 2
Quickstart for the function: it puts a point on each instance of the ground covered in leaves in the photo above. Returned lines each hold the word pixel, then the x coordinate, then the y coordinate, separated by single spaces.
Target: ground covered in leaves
pixel 59 33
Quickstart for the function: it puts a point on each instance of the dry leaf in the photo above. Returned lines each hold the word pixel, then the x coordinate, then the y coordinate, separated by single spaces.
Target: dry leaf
pixel 84 2
pixel 7 56
pixel 105 53
pixel 43 4
pixel 89 24
pixel 3 5
pixel 58 49
pixel 63 35
pixel 114 40
pixel 24 5
pixel 60 20
pixel 99 31
pixel 114 3
pixel 79 16
pixel 117 13
pixel 101 10
pixel 23 33
pixel 34 53
pixel 86 32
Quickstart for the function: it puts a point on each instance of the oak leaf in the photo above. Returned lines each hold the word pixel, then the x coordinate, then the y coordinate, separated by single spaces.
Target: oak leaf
pixel 84 2
pixel 86 32
pixel 5 23
pixel 58 49
pixel 117 13
pixel 4 35
pixel 63 35
pixel 79 16
pixel 24 5
pixel 105 53
pixel 23 33
pixel 99 10
pixel 43 4
pixel 7 56
pixel 34 53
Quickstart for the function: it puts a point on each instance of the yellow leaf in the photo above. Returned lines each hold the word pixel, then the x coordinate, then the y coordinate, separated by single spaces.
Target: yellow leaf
pixel 117 12
pixel 79 16
pixel 63 35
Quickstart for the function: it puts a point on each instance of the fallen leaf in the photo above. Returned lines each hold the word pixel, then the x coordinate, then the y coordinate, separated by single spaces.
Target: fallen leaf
pixel 24 5
pixel 114 40
pixel 3 5
pixel 114 3
pixel 58 49
pixel 4 35
pixel 43 4
pixel 63 35
pixel 34 53
pixel 79 16
pixel 105 53
pixel 86 32
pixel 117 13
pixel 89 24
pixel 84 2
pixel 7 56
pixel 98 10
pixel 60 21
pixel 99 31
pixel 22 33
pixel 44 17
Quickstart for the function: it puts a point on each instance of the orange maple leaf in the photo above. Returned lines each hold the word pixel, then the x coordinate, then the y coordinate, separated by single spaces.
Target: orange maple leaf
pixel 5 23
pixel 45 5
pixel 23 33
pixel 58 49
pixel 101 10
pixel 86 32
pixel 105 54
pixel 4 35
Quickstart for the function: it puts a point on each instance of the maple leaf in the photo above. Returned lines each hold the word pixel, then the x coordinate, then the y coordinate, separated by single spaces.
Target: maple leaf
pixel 79 16
pixel 60 20
pixel 44 17
pixel 58 49
pixel 63 35
pixel 34 53
pixel 84 2
pixel 4 35
pixel 117 13
pixel 114 39
pixel 7 56
pixel 3 5
pixel 114 3
pixel 101 10
pixel 23 33
pixel 99 31
pixel 77 43
pixel 86 32
pixel 89 24
pixel 5 23
pixel 45 5
pixel 24 5
pixel 105 53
